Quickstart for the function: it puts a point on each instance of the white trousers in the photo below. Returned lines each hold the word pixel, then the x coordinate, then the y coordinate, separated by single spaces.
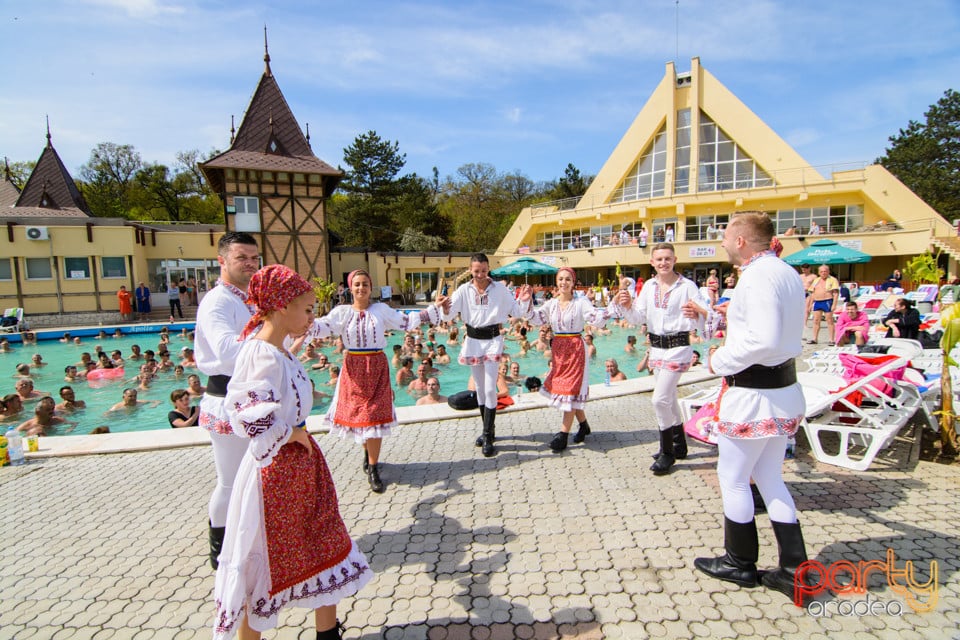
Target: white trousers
pixel 759 458
pixel 485 379
pixel 665 405
pixel 228 452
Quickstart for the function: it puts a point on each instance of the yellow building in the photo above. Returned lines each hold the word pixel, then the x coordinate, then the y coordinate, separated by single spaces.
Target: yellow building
pixel 694 155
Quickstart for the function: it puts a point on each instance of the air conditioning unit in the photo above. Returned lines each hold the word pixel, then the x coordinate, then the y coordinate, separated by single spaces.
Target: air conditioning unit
pixel 37 233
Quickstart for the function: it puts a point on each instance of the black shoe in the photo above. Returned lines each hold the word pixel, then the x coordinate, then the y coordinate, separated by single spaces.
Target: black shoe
pixel 332 634
pixel 666 459
pixel 739 564
pixel 488 450
pixel 793 553
pixel 559 442
pixel 366 460
pixel 479 441
pixel 679 442
pixel 759 506
pixel 373 475
pixel 582 432
pixel 216 544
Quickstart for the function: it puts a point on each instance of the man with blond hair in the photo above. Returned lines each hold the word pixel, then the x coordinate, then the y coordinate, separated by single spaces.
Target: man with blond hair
pixel 761 407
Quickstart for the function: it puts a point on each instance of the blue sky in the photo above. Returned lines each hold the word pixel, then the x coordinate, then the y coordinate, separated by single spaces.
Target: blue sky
pixel 527 85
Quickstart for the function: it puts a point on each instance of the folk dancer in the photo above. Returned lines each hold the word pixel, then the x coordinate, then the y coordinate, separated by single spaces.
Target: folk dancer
pixel 221 316
pixel 286 543
pixel 662 306
pixel 484 305
pixel 567 385
pixel 362 404
pixel 761 405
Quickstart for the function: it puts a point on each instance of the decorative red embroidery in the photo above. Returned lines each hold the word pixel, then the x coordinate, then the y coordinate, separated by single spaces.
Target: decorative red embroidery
pixel 365 397
pixel 566 374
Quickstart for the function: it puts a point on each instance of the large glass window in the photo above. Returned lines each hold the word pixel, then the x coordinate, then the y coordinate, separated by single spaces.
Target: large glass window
pixel 839 219
pixel 723 164
pixel 705 227
pixel 664 229
pixel 6 271
pixel 424 282
pixel 646 178
pixel 681 179
pixel 248 214
pixel 113 267
pixel 76 268
pixel 38 268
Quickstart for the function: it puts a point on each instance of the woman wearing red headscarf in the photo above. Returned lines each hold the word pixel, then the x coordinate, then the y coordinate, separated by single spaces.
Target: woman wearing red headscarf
pixel 363 402
pixel 567 385
pixel 285 543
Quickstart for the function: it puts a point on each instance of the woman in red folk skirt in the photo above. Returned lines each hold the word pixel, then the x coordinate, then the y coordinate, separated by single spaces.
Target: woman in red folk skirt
pixel 567 385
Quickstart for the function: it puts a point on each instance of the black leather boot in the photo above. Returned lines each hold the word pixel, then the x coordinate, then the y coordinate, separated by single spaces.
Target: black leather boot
pixel 216 544
pixel 666 459
pixel 489 432
pixel 559 442
pixel 331 634
pixel 739 564
pixel 793 553
pixel 373 475
pixel 679 442
pixel 582 432
pixel 479 440
pixel 366 460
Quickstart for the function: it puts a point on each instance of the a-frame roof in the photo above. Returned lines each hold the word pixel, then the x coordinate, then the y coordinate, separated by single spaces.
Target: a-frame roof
pixel 701 92
pixel 269 139
pixel 50 190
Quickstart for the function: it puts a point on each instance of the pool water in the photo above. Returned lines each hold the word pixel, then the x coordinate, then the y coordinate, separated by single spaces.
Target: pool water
pixel 101 395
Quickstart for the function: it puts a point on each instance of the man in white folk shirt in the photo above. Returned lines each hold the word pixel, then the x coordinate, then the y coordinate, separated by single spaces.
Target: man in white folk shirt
pixel 760 408
pixel 221 316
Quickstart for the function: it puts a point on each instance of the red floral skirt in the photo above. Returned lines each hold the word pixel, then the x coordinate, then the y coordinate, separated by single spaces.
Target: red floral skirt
pixel 569 361
pixel 304 531
pixel 365 397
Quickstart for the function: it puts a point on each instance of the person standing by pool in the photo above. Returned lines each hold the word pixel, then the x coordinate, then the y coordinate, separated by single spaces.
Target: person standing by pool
pixel 362 405
pixel 125 301
pixel 760 406
pixel 142 294
pixel 222 314
pixel 484 305
pixel 660 306
pixel 567 385
pixel 286 543
pixel 173 295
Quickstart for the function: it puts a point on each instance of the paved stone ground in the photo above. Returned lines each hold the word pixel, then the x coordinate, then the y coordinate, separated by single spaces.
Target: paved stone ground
pixel 528 544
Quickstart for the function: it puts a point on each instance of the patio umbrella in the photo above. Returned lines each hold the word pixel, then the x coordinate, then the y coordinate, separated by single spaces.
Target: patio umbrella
pixel 827 252
pixel 525 267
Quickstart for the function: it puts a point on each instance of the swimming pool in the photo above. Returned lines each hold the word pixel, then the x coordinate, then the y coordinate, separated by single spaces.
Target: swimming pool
pixel 101 395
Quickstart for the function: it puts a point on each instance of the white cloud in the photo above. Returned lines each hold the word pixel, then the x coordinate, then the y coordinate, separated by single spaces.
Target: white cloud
pixel 141 8
pixel 513 114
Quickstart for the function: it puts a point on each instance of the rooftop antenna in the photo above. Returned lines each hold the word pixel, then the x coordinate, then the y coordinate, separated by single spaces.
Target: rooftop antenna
pixel 266 53
pixel 677 58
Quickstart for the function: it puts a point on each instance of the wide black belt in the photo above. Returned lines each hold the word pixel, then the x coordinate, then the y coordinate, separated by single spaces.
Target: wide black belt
pixel 761 377
pixel 670 340
pixel 217 386
pixel 488 332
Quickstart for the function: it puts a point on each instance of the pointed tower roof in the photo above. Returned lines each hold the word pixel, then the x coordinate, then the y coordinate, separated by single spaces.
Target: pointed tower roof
pixel 269 138
pixel 50 190
pixel 9 193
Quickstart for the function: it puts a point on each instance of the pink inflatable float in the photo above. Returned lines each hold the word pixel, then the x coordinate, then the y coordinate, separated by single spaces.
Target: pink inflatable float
pixel 105 374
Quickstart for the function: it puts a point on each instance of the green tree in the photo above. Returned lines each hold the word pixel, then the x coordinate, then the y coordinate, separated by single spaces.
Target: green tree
pixel 572 185
pixel 926 156
pixel 19 172
pixel 417 241
pixel 107 179
pixel 479 206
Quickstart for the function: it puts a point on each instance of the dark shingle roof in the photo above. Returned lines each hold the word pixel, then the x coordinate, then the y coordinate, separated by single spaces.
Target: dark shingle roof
pixel 8 192
pixel 269 139
pixel 50 187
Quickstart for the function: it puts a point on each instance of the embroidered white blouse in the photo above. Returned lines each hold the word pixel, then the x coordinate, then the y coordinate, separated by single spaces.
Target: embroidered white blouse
pixel 367 329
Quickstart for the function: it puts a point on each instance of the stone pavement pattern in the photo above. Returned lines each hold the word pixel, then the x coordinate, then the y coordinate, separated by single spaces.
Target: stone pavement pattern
pixel 587 544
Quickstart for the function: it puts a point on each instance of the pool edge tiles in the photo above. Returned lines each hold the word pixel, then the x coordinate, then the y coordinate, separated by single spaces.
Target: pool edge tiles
pixel 133 441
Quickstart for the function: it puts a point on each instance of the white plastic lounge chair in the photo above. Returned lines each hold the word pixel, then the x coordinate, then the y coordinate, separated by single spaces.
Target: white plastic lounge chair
pixel 11 320
pixel 870 426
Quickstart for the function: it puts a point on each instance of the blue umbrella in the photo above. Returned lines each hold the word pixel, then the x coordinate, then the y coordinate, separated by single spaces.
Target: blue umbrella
pixel 525 267
pixel 827 252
